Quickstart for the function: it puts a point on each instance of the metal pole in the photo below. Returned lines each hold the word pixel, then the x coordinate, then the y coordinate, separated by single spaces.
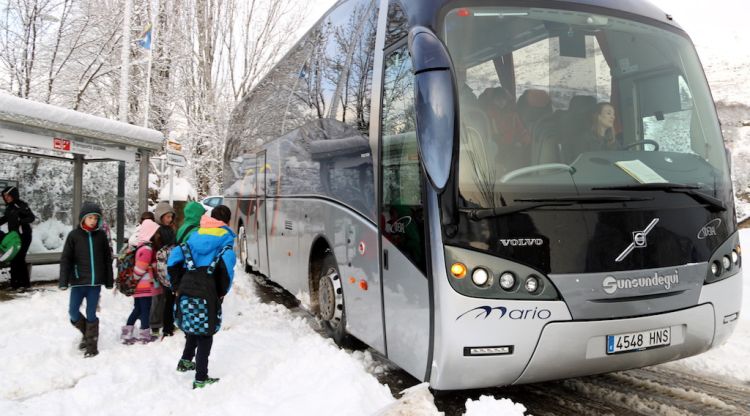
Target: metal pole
pixel 147 105
pixel 77 188
pixel 120 204
pixel 143 182
pixel 171 184
pixel 125 58
pixel 123 115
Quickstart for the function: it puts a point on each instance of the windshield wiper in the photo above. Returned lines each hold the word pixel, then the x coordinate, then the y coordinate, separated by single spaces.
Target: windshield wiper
pixel 714 204
pixel 525 204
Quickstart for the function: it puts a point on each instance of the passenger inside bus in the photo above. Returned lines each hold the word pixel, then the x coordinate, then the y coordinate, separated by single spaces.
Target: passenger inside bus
pixel 532 106
pixel 507 131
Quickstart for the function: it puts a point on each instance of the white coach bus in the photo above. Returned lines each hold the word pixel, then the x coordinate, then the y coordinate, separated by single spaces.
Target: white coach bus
pixel 493 192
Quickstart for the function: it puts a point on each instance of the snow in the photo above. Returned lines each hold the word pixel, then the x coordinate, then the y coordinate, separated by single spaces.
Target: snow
pixel 278 363
pixel 487 405
pixel 24 111
pixel 182 191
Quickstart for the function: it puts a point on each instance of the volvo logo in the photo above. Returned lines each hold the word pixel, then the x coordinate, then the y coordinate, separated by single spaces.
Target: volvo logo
pixel 610 284
pixel 639 240
pixel 516 242
pixel 709 230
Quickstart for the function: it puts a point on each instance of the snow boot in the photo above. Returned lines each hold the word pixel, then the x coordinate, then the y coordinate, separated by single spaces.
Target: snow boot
pixel 91 338
pixel 126 334
pixel 81 326
pixel 144 336
pixel 199 384
pixel 185 365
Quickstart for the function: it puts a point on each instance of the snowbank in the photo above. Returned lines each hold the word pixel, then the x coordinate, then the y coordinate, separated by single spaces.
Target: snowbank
pixel 182 191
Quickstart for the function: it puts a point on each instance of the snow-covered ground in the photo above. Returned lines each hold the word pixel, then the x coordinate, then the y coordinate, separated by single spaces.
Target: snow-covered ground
pixel 270 361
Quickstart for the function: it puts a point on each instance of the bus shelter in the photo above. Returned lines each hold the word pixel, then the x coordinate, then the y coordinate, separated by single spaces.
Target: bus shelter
pixel 29 128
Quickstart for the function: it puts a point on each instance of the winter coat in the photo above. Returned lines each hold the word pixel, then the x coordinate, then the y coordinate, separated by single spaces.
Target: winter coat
pixel 193 212
pixel 145 267
pixel 204 245
pixel 86 258
pixel 145 261
pixel 18 215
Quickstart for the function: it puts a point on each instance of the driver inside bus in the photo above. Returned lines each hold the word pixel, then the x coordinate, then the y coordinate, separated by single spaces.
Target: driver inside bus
pixel 600 134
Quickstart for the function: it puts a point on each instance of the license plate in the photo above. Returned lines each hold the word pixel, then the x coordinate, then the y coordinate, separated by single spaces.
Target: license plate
pixel 638 341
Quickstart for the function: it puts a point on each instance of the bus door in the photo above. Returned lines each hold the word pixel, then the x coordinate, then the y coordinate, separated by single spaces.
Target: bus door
pixel 402 221
pixel 260 213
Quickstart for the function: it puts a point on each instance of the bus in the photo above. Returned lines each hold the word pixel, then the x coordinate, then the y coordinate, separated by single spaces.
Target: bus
pixel 492 192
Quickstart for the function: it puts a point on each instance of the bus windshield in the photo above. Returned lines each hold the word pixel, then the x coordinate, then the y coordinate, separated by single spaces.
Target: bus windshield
pixel 553 105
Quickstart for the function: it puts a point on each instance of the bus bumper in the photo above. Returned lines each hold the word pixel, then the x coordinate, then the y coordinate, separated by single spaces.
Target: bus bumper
pixel 565 348
pixel 572 349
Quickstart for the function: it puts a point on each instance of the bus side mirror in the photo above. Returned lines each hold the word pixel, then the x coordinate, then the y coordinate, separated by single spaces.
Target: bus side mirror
pixel 435 105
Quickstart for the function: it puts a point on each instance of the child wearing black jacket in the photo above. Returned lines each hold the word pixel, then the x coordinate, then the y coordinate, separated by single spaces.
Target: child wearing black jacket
pixel 86 265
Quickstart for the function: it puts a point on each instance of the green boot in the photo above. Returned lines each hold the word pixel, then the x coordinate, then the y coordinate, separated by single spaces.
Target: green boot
pixel 201 384
pixel 185 365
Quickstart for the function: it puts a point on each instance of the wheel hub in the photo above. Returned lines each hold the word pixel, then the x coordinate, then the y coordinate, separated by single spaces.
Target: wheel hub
pixel 330 297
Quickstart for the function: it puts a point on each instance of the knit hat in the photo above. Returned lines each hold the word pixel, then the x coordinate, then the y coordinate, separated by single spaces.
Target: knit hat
pixel 162 208
pixel 146 230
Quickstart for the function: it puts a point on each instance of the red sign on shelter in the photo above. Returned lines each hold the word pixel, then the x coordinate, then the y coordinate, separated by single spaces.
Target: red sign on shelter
pixel 61 144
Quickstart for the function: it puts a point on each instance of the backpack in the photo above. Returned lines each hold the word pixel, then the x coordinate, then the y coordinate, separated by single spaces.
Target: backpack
pixel 127 280
pixel 197 309
pixel 10 244
pixel 161 260
pixel 161 265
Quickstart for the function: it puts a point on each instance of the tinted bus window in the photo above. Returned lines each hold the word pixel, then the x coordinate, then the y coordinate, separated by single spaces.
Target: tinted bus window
pixel 402 218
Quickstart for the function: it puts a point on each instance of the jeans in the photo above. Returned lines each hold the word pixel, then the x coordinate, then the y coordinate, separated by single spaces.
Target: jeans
pixel 77 294
pixel 141 310
pixel 203 344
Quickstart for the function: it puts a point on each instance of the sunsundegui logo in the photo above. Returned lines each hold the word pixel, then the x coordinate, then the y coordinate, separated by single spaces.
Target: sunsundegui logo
pixel 612 284
pixel 503 312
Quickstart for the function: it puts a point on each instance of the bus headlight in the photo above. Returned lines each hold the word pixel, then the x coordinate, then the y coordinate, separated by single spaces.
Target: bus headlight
pixel 726 262
pixel 532 284
pixel 480 277
pixel 715 268
pixel 507 280
pixel 735 257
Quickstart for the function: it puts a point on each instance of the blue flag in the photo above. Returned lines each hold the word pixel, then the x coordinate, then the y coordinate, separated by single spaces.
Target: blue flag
pixel 144 41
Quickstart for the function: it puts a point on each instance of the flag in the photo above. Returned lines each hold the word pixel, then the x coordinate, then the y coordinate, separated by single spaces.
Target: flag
pixel 144 41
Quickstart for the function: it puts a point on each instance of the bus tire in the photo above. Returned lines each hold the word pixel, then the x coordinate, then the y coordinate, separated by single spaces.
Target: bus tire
pixel 331 310
pixel 242 245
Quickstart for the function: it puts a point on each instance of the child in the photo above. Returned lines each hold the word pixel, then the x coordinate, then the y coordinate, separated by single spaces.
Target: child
pixel 161 305
pixel 210 249
pixel 147 215
pixel 146 288
pixel 86 265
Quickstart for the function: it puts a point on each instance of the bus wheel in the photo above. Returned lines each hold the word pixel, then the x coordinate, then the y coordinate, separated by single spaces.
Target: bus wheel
pixel 331 302
pixel 243 248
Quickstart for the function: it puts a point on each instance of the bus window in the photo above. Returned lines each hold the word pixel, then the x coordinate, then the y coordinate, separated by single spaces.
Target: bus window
pixel 671 130
pixel 402 216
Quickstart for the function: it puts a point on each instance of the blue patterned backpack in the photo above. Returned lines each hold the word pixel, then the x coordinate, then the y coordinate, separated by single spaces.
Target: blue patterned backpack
pixel 197 307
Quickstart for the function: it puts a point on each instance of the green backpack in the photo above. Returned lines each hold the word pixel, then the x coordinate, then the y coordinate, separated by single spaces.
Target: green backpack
pixel 10 244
